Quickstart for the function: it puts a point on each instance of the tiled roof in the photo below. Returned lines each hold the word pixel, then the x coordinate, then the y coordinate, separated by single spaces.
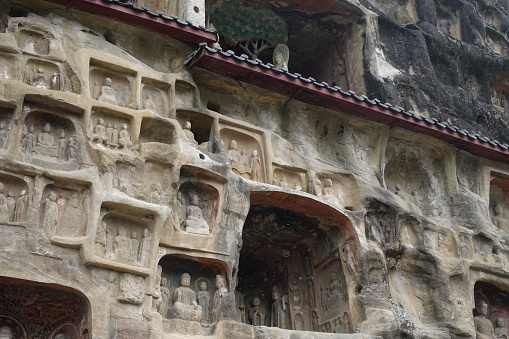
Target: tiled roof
pixel 155 21
pixel 308 90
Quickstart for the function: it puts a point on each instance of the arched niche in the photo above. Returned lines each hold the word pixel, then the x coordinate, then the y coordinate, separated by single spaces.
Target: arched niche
pixel 53 310
pixel 191 197
pixel 497 302
pixel 295 245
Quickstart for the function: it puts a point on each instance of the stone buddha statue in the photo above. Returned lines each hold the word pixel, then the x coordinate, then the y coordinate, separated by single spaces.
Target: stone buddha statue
pixel 195 223
pixel 483 326
pixel 108 93
pixel 184 302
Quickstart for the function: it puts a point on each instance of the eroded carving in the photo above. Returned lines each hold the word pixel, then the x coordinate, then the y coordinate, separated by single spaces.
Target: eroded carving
pixel 185 306
pixel 279 313
pixel 131 289
pixel 220 299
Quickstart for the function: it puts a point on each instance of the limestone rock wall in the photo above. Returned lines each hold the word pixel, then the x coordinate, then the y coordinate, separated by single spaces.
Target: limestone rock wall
pixel 162 202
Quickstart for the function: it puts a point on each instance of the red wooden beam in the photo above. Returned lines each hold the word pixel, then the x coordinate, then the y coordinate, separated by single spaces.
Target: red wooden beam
pixel 130 16
pixel 286 85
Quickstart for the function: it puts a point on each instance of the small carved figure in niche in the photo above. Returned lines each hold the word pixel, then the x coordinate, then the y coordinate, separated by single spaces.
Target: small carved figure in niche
pixel 39 79
pixel 21 207
pixel 124 139
pixel 220 299
pixel 245 161
pixel 234 156
pixel 278 316
pixel 348 257
pixel 195 223
pixel 298 323
pixel 99 134
pixel 483 326
pixel 256 167
pixel 45 138
pixel 144 247
pixel 184 301
pixel 135 245
pixel 328 192
pixel 112 136
pixel 280 57
pixel 108 132
pixel 148 103
pixel 122 246
pixel 324 291
pixel 345 322
pixel 58 82
pixel 72 148
pixel 311 294
pixel 4 208
pixel 62 145
pixel 156 294
pixel 335 288
pixel 11 204
pixel 337 326
pixel 188 133
pixel 501 331
pixel 498 219
pixel 6 332
pixel 108 93
pixel 314 321
pixel 256 313
pixel 504 103
pixel 283 182
pixel 28 142
pixel 51 214
pixel 110 241
pixel 29 45
pixel 296 295
pixel 204 301
pixel 165 297
pixel 100 239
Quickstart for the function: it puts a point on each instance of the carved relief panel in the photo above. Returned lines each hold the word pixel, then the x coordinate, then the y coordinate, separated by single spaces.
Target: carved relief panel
pixel 51 76
pixel 15 197
pixel 148 181
pixel 64 210
pixel 292 179
pixel 111 130
pixel 50 136
pixel 244 149
pixel 185 94
pixel 196 208
pixel 499 202
pixel 338 190
pixel 6 114
pixel 124 237
pixel 112 84
pixel 491 313
pixel 33 42
pixel 154 97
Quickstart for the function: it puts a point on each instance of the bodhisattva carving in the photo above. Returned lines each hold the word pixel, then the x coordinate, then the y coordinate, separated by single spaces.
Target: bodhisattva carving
pixel 124 139
pixel 278 315
pixel 148 103
pixel 314 321
pixel 110 136
pixel 189 135
pixel 501 331
pixel 144 247
pixel 156 294
pixel 4 207
pixel 184 302
pixel 108 94
pixel 195 223
pixel 4 132
pixel 483 326
pixel 311 294
pixel 22 204
pixel 45 144
pixel 281 57
pixel 256 313
pixel 58 82
pixel 165 297
pixel 348 257
pixel 220 299
pixel 203 299
pixel 249 167
pixel 51 217
pixel 39 79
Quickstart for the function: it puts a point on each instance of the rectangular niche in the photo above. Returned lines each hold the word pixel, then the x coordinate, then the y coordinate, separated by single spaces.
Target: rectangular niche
pixel 39 73
pixel 148 181
pixel 33 42
pixel 16 191
pixel 338 190
pixel 6 114
pixel 112 84
pixel 65 209
pixel 245 151
pixel 157 130
pixel 124 236
pixel 185 94
pixel 8 66
pixel 287 177
pixel 498 201
pixel 201 127
pixel 111 129
pixel 154 97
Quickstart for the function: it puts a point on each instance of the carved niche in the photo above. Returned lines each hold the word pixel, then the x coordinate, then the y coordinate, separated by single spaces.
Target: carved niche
pixel 124 237
pixel 157 130
pixel 197 128
pixel 51 76
pixel 15 197
pixel 8 66
pixel 154 97
pixel 245 152
pixel 185 94
pixel 64 210
pixel 499 202
pixel 55 312
pixel 148 181
pixel 196 207
pixel 293 179
pixel 33 42
pixel 111 130
pixel 491 312
pixel 50 136
pixel 112 84
pixel 6 114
